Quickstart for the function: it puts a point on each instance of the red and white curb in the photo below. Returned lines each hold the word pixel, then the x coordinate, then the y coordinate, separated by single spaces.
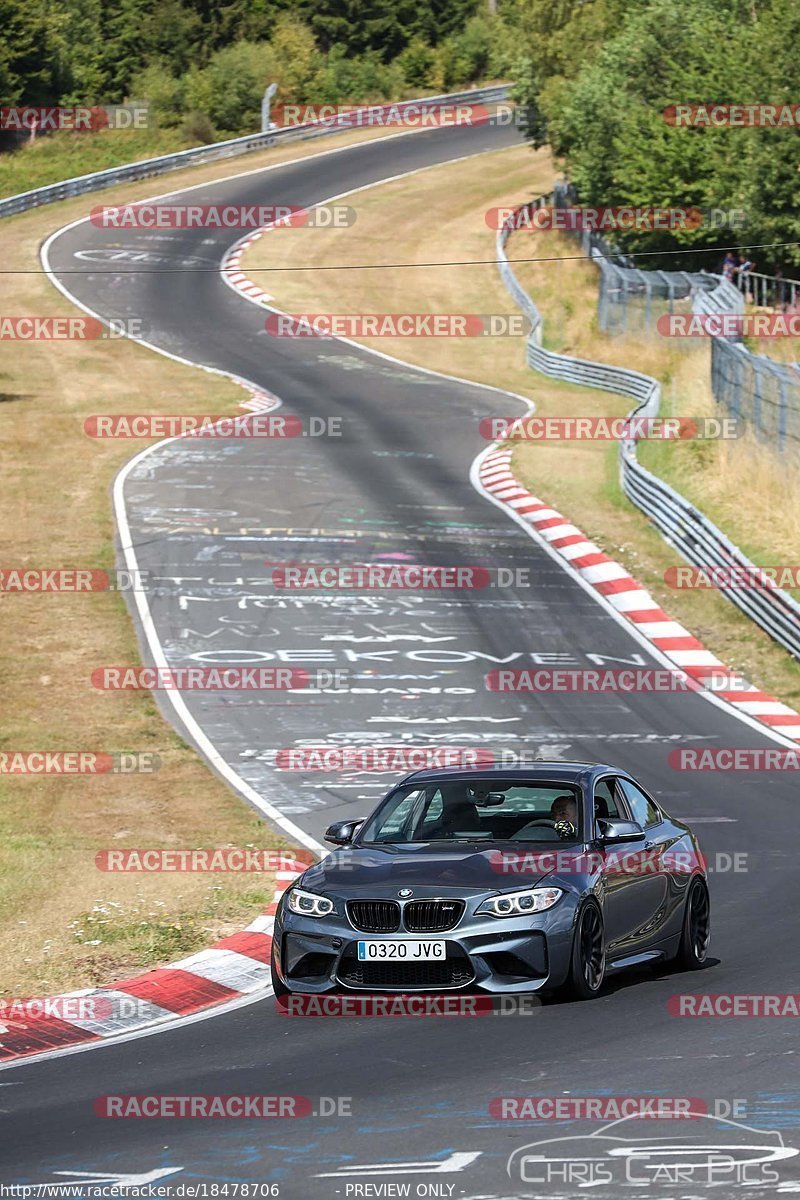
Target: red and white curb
pixel 630 600
pixel 234 967
pixel 232 271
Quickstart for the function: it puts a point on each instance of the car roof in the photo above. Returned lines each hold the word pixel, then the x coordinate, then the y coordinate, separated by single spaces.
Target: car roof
pixel 558 771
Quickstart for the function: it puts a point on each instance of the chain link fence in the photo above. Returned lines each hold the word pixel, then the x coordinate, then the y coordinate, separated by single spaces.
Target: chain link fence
pixel 630 300
pixel 762 394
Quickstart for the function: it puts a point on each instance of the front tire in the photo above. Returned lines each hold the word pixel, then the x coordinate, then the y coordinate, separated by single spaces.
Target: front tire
pixel 588 960
pixel 696 931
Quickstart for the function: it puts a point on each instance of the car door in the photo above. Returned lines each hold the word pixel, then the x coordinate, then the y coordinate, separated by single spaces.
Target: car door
pixel 633 892
pixel 656 860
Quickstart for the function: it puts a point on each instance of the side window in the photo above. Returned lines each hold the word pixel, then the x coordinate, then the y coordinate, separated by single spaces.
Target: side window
pixel 642 808
pixel 405 807
pixel 605 803
pixel 434 811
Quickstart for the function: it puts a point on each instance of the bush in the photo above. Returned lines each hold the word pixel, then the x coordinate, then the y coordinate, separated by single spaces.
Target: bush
pixel 198 129
pixel 295 60
pixel 421 65
pixel 163 93
pixel 466 54
pixel 230 88
pixel 365 79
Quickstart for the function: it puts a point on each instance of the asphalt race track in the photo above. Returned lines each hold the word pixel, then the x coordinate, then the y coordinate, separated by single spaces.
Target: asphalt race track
pixel 206 517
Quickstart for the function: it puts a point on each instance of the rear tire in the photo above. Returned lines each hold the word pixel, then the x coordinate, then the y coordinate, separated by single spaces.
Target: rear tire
pixel 696 932
pixel 588 960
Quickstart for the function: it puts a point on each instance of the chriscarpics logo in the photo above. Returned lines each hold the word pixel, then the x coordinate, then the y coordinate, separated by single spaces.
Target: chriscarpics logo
pixel 708 1154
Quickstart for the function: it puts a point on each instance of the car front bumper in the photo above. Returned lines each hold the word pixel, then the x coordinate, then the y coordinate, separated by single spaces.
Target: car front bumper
pixel 483 953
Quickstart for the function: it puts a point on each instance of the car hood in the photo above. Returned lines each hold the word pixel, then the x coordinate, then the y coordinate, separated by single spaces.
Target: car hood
pixel 468 867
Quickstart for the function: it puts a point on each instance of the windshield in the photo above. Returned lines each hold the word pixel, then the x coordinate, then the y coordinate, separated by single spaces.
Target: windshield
pixel 470 810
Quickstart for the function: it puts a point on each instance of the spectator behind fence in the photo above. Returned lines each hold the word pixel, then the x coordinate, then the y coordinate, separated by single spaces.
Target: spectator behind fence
pixel 729 266
pixel 745 267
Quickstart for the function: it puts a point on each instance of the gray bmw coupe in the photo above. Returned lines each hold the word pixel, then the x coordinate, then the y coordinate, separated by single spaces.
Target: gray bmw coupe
pixel 496 880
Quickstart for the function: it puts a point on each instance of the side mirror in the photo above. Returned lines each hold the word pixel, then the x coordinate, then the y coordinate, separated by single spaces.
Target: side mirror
pixel 341 833
pixel 619 831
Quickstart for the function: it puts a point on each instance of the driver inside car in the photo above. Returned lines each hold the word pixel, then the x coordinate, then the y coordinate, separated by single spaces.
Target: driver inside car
pixel 563 818
pixel 564 810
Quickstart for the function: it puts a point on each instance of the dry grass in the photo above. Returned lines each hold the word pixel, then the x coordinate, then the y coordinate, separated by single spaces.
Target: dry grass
pixel 439 215
pixel 54 493
pixel 418 219
pixel 57 513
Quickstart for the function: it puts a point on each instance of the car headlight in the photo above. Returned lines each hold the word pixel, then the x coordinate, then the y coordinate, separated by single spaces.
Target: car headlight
pixel 308 904
pixel 518 904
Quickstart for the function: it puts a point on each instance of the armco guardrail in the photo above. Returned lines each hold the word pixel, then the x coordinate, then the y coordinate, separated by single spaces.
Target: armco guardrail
pixel 198 155
pixel 682 525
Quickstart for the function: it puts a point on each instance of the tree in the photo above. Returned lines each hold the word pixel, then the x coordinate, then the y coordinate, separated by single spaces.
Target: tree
pixel 124 48
pixel 31 62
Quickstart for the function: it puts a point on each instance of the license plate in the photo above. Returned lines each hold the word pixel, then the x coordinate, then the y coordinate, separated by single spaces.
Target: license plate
pixel 401 951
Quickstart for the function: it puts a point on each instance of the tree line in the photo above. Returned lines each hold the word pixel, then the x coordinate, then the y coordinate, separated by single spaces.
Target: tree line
pixel 598 77
pixel 205 63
